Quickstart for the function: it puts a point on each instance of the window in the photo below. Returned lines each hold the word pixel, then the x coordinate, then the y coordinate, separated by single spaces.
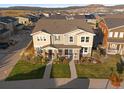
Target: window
pixel 85 49
pixel 71 39
pixel 66 51
pixel 116 34
pixel 121 35
pixel 41 38
pixel 110 34
pixel 57 37
pixel 44 38
pixel 70 52
pixel 38 39
pixel 82 39
pixel 87 39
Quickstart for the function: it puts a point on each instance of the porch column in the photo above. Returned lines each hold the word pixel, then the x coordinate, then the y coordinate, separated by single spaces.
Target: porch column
pixel 63 52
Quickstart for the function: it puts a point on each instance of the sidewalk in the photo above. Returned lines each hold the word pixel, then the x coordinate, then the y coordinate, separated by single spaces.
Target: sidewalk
pixel 48 70
pixel 73 70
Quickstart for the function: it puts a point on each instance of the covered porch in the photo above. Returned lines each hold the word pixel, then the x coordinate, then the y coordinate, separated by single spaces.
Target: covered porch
pixel 115 48
pixel 52 52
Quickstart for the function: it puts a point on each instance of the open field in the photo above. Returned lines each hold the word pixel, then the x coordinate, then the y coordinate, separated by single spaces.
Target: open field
pixel 15 12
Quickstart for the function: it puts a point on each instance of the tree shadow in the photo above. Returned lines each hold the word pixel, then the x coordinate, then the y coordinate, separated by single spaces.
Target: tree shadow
pixel 34 74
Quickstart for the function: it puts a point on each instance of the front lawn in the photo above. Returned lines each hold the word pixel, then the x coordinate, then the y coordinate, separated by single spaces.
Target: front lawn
pixel 60 71
pixel 103 70
pixel 27 70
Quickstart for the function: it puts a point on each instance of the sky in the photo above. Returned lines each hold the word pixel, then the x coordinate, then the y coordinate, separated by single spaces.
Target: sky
pixel 57 3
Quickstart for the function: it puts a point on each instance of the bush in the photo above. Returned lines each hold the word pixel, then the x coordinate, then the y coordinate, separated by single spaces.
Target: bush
pixel 44 60
pixel 37 59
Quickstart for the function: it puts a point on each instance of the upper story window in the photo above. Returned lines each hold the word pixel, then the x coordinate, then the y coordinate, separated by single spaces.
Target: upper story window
pixel 38 39
pixel 71 39
pixel 44 38
pixel 57 37
pixel 41 38
pixel 82 39
pixel 116 34
pixel 121 35
pixel 110 34
pixel 87 39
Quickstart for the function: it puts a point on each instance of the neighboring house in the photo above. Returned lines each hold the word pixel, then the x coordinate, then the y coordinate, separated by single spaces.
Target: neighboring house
pixel 116 35
pixel 70 38
pixel 24 20
pixel 9 23
pixel 90 18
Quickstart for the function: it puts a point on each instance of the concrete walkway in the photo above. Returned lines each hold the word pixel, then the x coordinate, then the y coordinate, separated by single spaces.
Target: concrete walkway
pixel 73 70
pixel 48 70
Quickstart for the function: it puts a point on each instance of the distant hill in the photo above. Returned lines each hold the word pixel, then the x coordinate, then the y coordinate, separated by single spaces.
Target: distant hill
pixel 66 8
pixel 117 6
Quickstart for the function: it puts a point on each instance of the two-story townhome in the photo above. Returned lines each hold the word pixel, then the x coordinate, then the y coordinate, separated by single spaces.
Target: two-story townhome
pixel 115 36
pixel 24 20
pixel 69 38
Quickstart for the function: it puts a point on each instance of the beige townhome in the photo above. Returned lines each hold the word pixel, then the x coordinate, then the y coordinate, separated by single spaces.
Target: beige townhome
pixel 68 38
pixel 24 20
pixel 115 36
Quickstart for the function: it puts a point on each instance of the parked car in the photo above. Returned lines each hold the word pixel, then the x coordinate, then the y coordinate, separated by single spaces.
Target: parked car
pixel 12 42
pixel 4 45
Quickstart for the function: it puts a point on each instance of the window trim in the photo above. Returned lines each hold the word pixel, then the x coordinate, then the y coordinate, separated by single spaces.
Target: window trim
pixel 71 38
pixel 110 34
pixel 82 40
pixel 121 34
pixel 116 34
pixel 87 39
pixel 57 37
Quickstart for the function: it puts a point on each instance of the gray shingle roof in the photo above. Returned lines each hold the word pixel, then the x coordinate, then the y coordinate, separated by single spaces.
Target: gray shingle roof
pixel 61 26
pixel 114 22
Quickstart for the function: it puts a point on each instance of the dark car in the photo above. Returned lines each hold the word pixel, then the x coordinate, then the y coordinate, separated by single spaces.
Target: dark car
pixel 4 45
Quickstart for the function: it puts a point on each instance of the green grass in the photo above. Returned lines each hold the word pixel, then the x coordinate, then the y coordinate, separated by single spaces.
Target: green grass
pixel 102 70
pixel 60 71
pixel 26 70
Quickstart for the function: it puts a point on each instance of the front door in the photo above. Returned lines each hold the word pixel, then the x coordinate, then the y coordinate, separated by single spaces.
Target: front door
pixel 50 54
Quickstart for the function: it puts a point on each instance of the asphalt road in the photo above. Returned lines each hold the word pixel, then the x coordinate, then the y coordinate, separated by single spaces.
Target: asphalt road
pixel 23 40
pixel 10 56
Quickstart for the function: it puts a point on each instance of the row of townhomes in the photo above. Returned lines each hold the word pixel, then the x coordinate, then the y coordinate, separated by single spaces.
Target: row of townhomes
pixel 116 34
pixel 73 38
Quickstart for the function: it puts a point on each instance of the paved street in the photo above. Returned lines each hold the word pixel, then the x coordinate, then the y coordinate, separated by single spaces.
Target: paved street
pixel 10 56
pixel 60 83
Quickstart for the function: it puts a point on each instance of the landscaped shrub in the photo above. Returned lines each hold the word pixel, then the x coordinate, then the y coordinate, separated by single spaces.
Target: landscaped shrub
pixel 66 61
pixel 59 60
pixel 37 59
pixel 85 60
pixel 44 60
